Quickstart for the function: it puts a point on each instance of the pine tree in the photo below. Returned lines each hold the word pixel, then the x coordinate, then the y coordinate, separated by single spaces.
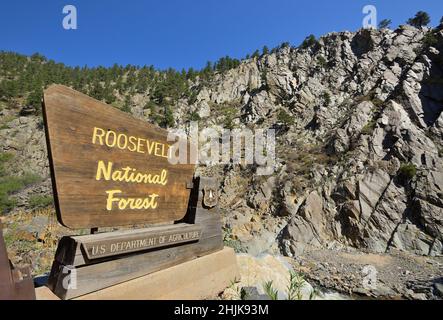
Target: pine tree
pixel 34 99
pixel 126 105
pixel 8 89
pixel 265 50
pixel 385 24
pixel 421 19
pixel 167 120
pixel 310 41
pixel 285 45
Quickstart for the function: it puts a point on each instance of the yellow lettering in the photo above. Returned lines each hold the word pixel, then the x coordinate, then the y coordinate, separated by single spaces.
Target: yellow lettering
pixel 111 198
pixel 132 140
pixel 131 203
pixel 128 174
pixel 123 145
pixel 139 146
pixel 114 139
pixel 138 203
pixel 163 180
pixel 157 149
pixel 98 133
pixel 103 170
pixel 166 151
pixel 150 146
pixel 122 203
pixel 122 141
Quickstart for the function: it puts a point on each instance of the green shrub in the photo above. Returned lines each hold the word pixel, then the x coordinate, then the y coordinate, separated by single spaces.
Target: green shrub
pixel 270 291
pixel 295 286
pixel 4 158
pixel 430 40
pixel 168 118
pixel 293 290
pixel 39 201
pixel 229 113
pixel 10 184
pixel 285 118
pixel 368 129
pixel 407 171
pixel 326 97
pixel 194 116
pixel 230 242
pixel 309 42
pixel 6 204
pixel 126 108
pixel 322 61
pixel 150 105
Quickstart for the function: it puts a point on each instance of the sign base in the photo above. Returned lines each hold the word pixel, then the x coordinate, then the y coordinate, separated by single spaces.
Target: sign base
pixel 202 278
pixel 85 264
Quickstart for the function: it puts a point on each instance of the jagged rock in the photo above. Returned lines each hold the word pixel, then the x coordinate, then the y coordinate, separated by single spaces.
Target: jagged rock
pixel 429 217
pixel 409 238
pixel 438 288
pixel 307 227
pixel 245 78
pixel 371 188
pixel 204 110
pixel 258 107
pixel 261 199
pixel 352 129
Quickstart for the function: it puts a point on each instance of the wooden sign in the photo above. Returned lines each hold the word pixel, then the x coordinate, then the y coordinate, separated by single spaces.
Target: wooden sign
pixel 108 168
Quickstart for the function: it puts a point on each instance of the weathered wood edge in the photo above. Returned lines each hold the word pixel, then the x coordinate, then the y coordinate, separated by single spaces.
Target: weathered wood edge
pixel 51 163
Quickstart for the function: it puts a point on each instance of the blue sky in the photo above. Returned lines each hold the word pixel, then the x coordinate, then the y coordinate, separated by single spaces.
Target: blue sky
pixel 181 33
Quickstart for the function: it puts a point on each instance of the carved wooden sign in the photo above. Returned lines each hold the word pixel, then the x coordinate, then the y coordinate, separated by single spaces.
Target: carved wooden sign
pixel 108 168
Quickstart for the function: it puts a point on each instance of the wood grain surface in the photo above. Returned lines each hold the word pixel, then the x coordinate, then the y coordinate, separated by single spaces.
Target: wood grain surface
pixel 91 145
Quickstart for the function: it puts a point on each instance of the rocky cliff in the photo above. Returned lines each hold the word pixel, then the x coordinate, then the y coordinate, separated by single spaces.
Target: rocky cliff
pixel 359 135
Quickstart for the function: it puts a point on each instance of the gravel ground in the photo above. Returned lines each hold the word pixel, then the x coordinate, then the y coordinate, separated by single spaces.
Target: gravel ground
pixel 396 275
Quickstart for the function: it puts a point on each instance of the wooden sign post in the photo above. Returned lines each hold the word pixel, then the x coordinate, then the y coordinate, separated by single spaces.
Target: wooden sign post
pixel 15 283
pixel 108 170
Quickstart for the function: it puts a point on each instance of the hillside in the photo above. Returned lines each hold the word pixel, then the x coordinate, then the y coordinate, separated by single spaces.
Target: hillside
pixel 359 136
